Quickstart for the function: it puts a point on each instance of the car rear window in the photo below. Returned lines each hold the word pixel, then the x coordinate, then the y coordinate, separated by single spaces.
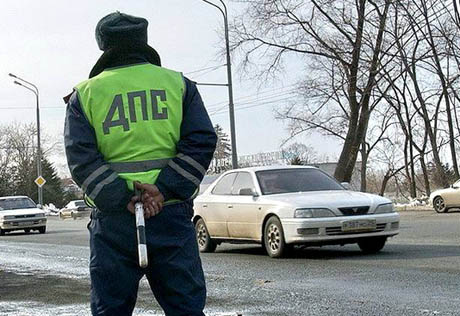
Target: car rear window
pixel 224 186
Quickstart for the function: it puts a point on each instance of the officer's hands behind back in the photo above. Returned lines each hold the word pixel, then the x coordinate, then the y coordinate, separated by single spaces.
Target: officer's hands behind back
pixel 151 198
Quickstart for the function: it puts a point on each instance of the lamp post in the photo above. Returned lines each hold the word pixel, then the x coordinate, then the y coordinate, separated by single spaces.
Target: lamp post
pixel 229 83
pixel 31 87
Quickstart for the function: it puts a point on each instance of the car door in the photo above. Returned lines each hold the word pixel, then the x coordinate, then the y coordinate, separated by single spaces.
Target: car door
pixel 214 207
pixel 242 218
pixel 452 196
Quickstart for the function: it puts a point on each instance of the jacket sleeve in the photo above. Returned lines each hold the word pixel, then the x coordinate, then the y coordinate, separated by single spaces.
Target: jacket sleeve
pixel 87 166
pixel 195 149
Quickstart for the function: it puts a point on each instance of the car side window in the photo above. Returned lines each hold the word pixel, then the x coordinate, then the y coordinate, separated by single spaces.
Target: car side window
pixel 243 181
pixel 224 186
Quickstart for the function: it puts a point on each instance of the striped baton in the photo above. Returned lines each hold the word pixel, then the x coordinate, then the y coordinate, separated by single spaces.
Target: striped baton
pixel 140 223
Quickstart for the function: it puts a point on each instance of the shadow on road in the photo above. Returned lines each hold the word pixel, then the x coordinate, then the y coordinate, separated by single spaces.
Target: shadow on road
pixel 49 232
pixel 390 252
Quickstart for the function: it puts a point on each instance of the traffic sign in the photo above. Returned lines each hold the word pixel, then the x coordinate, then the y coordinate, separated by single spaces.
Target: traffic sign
pixel 40 181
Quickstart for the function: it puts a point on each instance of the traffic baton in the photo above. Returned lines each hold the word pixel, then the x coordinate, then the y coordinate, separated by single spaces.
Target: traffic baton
pixel 140 223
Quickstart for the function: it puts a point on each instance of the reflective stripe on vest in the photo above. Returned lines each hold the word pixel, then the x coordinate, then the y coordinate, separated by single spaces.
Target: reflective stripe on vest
pixel 136 113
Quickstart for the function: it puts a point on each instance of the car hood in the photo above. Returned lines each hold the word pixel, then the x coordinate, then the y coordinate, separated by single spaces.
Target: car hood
pixel 21 211
pixel 328 199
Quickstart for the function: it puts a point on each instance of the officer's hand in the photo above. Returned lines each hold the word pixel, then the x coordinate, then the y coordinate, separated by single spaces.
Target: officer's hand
pixel 132 203
pixel 152 199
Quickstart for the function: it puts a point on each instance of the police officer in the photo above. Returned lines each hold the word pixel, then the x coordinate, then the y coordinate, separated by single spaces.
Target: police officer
pixel 134 120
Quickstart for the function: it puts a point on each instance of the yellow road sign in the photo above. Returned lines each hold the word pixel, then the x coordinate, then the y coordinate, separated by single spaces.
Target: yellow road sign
pixel 40 181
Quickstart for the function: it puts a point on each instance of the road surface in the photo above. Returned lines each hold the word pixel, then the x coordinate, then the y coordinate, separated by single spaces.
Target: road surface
pixel 417 273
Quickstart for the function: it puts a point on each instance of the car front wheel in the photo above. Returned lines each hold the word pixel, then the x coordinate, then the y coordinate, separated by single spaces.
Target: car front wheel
pixel 42 230
pixel 205 243
pixel 439 205
pixel 2 232
pixel 274 242
pixel 372 245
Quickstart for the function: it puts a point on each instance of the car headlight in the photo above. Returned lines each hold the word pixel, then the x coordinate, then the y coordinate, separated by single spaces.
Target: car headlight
pixel 313 213
pixel 385 208
pixel 8 217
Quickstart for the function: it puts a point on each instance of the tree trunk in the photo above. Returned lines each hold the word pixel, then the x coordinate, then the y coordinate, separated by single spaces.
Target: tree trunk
pixel 425 175
pixel 385 180
pixel 442 78
pixel 364 157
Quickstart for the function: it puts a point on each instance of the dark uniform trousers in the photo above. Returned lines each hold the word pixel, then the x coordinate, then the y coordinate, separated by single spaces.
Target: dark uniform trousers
pixel 174 273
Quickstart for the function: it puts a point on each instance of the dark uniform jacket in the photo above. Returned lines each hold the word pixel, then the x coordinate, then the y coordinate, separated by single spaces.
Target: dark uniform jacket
pixel 197 143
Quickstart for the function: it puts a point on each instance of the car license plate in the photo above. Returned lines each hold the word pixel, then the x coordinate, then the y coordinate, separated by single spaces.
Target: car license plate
pixel 359 225
pixel 25 223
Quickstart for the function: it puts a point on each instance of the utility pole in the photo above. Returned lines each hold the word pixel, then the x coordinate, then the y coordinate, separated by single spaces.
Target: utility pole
pixel 31 87
pixel 229 84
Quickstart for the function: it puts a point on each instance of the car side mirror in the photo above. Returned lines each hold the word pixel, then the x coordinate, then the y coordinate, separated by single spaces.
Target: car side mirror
pixel 248 192
pixel 346 185
pixel 39 206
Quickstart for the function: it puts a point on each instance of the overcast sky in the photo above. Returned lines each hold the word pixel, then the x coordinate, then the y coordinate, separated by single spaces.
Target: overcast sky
pixel 52 44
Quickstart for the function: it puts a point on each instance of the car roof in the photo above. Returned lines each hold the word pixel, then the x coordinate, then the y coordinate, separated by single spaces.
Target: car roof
pixel 264 168
pixel 13 197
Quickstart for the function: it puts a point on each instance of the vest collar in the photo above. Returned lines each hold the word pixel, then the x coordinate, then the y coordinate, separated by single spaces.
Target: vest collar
pixel 123 56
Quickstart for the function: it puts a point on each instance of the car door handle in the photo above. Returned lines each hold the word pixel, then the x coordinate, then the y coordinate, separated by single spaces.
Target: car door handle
pixel 230 206
pixel 205 205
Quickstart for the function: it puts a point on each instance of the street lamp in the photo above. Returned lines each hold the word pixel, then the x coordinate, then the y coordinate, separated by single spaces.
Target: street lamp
pixel 31 87
pixel 229 83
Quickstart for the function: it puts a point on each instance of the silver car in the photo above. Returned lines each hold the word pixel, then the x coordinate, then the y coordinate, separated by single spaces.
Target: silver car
pixel 284 206
pixel 445 199
pixel 20 213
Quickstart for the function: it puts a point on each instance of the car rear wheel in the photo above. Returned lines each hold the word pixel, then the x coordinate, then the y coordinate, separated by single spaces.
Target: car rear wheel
pixel 274 242
pixel 27 230
pixel 439 205
pixel 2 232
pixel 372 245
pixel 205 242
pixel 42 230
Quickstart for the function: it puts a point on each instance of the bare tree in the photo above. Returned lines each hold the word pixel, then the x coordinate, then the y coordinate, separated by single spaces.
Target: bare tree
pixel 340 43
pixel 300 153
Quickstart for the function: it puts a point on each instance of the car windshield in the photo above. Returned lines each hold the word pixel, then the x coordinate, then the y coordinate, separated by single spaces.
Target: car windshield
pixel 295 180
pixel 16 203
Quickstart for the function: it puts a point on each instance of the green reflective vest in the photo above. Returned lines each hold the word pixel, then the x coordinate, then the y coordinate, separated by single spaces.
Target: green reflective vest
pixel 136 113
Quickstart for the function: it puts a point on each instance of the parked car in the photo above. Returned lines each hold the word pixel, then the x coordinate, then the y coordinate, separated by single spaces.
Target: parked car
pixel 75 209
pixel 284 206
pixel 445 199
pixel 21 213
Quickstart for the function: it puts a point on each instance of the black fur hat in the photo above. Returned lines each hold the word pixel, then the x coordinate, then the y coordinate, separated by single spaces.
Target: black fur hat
pixel 119 29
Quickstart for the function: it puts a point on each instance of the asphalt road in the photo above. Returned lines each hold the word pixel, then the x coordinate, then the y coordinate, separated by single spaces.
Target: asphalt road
pixel 417 273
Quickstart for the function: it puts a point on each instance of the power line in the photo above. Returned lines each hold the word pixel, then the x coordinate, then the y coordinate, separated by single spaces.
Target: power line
pixel 204 69
pixel 263 94
pixel 250 106
pixel 30 107
pixel 266 98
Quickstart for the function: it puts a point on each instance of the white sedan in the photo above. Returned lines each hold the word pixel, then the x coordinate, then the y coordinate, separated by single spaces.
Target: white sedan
pixel 445 199
pixel 284 206
pixel 21 213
